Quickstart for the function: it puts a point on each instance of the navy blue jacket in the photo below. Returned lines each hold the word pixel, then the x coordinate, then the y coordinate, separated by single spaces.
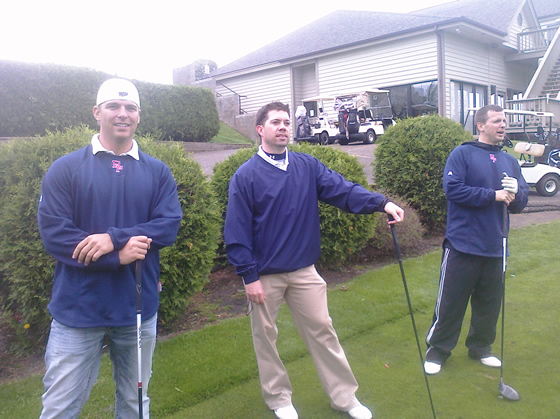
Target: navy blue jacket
pixel 272 221
pixel 472 174
pixel 85 194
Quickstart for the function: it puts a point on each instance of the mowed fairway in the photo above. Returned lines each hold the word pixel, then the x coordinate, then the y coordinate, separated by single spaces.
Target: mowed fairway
pixel 212 373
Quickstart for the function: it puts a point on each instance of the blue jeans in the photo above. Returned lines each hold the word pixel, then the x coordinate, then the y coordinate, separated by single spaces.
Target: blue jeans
pixel 73 358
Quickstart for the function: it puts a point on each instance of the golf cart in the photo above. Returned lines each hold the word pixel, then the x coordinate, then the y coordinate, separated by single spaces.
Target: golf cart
pixel 363 116
pixel 325 128
pixel 539 172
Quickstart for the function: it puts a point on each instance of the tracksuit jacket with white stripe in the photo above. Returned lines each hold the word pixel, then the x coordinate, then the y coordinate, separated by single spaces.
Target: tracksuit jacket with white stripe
pixel 472 174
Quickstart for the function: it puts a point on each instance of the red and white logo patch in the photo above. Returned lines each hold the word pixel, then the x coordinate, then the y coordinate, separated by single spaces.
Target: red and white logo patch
pixel 117 166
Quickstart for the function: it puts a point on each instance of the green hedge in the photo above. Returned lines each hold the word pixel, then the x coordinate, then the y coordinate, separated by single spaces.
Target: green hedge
pixel 40 98
pixel 342 234
pixel 26 270
pixel 409 162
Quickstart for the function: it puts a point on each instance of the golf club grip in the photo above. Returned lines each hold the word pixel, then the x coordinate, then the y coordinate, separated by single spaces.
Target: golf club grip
pixel 138 276
pixel 395 242
pixel 140 409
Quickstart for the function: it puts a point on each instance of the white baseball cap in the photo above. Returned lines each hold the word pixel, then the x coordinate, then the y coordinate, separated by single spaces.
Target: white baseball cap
pixel 117 89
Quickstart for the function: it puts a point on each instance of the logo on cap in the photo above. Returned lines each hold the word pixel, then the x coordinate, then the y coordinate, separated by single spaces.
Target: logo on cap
pixel 122 94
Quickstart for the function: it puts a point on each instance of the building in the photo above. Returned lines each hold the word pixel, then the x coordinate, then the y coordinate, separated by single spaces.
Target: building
pixel 443 59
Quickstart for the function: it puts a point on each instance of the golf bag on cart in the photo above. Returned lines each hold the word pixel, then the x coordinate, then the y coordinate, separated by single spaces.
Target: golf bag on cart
pixel 349 121
pixel 553 144
pixel 303 128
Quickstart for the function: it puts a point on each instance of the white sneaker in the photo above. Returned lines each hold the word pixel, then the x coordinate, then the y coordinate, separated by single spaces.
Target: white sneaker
pixel 432 368
pixel 286 412
pixel 360 412
pixel 491 361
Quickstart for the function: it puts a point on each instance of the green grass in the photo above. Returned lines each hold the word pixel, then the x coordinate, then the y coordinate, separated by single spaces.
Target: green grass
pixel 228 135
pixel 212 373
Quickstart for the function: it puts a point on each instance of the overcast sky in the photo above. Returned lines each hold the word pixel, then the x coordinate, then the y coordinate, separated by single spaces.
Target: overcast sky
pixel 145 40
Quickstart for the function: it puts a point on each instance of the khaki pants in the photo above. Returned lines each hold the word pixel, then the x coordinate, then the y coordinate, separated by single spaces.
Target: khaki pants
pixel 305 293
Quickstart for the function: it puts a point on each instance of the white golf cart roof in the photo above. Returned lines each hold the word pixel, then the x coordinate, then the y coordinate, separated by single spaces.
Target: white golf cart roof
pixel 364 92
pixel 356 100
pixel 529 113
pixel 520 122
pixel 519 112
pixel 318 98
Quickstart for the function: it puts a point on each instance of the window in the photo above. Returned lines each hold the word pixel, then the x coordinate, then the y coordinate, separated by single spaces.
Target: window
pixel 465 96
pixel 415 99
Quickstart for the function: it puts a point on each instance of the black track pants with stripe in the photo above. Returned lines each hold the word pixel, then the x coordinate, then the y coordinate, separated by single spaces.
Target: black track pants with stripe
pixel 465 276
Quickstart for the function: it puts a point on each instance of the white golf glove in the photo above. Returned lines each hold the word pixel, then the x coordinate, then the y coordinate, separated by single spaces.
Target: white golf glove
pixel 509 184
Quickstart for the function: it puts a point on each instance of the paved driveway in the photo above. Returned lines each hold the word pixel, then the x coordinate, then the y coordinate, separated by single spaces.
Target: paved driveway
pixel 364 154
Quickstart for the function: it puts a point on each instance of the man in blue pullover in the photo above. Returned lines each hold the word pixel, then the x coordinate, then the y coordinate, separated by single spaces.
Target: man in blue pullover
pixel 272 234
pixel 481 182
pixel 103 208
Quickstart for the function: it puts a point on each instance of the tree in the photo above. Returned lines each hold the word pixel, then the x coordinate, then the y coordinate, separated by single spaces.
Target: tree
pixel 203 67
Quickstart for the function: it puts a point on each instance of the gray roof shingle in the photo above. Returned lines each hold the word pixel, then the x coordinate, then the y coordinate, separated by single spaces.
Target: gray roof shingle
pixel 338 29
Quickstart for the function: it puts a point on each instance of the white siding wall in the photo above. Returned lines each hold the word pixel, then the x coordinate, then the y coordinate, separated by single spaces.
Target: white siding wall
pixel 260 88
pixel 385 64
pixel 527 23
pixel 381 65
pixel 470 62
pixel 305 84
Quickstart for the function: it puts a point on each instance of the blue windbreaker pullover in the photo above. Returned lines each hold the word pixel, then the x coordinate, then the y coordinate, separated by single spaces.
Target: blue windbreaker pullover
pixel 85 194
pixel 472 174
pixel 272 222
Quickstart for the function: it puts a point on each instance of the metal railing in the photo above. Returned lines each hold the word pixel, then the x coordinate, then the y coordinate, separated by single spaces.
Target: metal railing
pixel 535 39
pixel 241 110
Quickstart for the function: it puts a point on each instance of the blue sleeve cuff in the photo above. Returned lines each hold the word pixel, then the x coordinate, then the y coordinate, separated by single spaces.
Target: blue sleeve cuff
pixel 250 277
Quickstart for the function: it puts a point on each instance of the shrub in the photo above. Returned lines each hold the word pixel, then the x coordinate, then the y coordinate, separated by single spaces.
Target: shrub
pixel 47 97
pixel 223 171
pixel 342 234
pixel 178 113
pixel 26 270
pixel 185 266
pixel 409 162
pixel 409 232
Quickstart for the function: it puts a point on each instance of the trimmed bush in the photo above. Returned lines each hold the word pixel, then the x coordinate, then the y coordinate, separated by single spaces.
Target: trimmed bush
pixel 342 234
pixel 409 162
pixel 409 233
pixel 178 113
pixel 26 270
pixel 46 97
pixel 185 266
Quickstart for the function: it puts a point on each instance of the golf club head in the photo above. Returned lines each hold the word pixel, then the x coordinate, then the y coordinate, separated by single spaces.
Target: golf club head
pixel 507 391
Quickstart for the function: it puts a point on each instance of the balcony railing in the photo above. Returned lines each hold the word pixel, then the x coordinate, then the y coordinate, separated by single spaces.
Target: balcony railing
pixel 535 39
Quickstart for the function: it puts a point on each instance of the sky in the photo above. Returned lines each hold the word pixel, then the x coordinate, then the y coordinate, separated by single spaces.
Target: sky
pixel 146 40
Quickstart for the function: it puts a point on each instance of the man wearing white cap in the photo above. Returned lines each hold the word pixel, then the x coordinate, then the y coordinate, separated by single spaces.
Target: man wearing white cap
pixel 102 208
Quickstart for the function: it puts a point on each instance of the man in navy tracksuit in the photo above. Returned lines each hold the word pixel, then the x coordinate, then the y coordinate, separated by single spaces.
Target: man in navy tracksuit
pixel 480 182
pixel 272 234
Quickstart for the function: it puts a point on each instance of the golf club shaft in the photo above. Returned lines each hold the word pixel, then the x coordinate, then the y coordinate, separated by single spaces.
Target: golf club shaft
pixel 138 275
pixel 506 391
pixel 504 266
pixel 399 258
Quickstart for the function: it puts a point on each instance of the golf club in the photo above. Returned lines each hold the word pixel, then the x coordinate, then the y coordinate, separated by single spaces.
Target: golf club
pixel 507 391
pixel 399 258
pixel 138 275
